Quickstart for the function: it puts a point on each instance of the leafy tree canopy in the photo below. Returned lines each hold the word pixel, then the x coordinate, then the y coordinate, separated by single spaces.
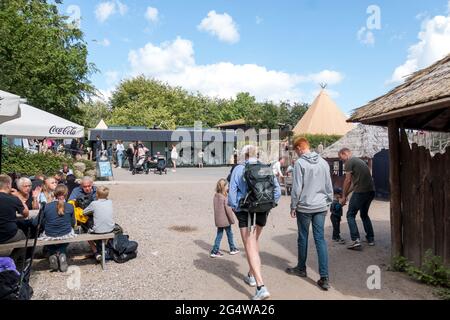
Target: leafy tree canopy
pixel 43 57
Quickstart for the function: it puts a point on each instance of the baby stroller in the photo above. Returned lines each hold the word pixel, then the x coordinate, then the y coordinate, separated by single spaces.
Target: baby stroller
pixel 142 166
pixel 161 166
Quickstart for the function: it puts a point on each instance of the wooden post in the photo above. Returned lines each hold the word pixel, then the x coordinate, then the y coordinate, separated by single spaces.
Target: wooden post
pixel 394 178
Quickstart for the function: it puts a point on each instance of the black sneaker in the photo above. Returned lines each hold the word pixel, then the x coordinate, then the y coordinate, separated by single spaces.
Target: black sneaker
pixel 323 284
pixel 296 271
pixel 355 245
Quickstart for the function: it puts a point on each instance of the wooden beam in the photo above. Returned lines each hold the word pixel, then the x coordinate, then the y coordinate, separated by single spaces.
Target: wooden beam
pixel 394 172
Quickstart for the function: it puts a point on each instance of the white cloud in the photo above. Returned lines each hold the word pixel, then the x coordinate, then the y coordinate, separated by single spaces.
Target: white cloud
pixel 112 77
pixel 221 26
pixel 326 76
pixel 104 43
pixel 433 45
pixel 366 36
pixel 123 9
pixel 107 9
pixel 152 14
pixel 174 62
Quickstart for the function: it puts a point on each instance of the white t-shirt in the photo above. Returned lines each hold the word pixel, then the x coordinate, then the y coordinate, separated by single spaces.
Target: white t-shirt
pixel 174 153
pixel 120 147
pixel 277 169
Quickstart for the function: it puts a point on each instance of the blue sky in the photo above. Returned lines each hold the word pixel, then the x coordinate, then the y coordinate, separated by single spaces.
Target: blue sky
pixel 273 49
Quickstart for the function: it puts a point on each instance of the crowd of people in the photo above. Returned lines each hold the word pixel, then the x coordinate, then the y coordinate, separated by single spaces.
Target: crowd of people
pixel 53 208
pixel 312 197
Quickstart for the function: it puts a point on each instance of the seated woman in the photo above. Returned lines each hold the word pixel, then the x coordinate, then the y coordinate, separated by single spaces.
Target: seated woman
pixel 101 212
pixel 58 222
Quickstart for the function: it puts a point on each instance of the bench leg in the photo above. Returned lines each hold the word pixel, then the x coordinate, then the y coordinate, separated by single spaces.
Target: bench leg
pixel 103 255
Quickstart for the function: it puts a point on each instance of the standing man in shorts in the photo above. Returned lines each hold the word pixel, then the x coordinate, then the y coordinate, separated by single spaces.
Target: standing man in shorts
pixel 237 192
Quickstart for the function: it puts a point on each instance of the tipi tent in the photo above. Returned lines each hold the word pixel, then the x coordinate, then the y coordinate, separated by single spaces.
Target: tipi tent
pixel 364 142
pixel 323 117
pixel 102 125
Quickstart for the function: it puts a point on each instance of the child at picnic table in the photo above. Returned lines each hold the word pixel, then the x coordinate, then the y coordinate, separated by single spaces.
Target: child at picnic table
pixel 224 218
pixel 102 213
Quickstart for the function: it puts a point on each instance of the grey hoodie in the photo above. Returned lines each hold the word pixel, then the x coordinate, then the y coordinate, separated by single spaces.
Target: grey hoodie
pixel 312 189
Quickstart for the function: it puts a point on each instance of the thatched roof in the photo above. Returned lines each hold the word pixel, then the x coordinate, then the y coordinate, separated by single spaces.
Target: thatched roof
pixel 239 122
pixel 426 91
pixel 323 117
pixel 364 141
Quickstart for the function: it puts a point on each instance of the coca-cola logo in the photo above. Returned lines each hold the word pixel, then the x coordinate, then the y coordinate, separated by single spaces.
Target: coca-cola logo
pixel 67 131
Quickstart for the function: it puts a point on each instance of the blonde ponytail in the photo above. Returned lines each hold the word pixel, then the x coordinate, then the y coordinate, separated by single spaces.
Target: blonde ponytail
pixel 61 192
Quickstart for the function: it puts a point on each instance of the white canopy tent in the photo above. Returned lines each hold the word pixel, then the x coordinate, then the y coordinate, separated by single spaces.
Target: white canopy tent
pixel 31 122
pixel 36 123
pixel 102 125
pixel 9 106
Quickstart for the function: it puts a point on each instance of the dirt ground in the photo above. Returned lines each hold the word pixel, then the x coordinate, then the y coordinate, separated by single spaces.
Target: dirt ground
pixel 175 264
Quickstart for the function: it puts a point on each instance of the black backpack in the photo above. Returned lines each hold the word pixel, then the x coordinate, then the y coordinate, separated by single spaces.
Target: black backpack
pixel 260 196
pixel 12 287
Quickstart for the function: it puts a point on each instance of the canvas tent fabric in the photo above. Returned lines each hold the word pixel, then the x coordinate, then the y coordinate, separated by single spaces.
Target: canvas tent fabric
pixel 35 123
pixel 9 106
pixel 364 142
pixel 323 117
pixel 101 125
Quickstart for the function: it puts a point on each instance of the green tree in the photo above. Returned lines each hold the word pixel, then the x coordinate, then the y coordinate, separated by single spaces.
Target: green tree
pixel 297 111
pixel 43 57
pixel 92 112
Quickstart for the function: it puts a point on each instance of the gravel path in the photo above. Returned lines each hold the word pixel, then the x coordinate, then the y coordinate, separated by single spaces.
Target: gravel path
pixel 175 264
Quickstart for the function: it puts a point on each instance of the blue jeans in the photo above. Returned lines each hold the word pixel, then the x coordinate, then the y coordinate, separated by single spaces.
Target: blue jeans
pixel 120 158
pixel 360 202
pixel 219 236
pixel 318 223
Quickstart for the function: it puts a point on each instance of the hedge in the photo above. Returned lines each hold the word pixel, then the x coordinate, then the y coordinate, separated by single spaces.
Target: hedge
pixel 19 161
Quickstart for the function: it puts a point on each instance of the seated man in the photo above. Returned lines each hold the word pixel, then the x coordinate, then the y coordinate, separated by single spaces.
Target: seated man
pixel 81 197
pixel 10 208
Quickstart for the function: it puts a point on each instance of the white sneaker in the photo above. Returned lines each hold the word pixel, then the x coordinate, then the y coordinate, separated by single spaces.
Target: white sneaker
pixel 234 252
pixel 262 294
pixel 250 280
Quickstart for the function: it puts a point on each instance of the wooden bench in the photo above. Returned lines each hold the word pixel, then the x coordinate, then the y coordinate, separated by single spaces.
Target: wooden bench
pixel 79 238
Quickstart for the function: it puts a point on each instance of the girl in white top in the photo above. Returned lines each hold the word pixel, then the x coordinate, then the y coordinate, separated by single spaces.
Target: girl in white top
pixel 174 156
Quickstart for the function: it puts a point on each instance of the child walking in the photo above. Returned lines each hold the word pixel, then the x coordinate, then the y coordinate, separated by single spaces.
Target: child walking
pixel 224 218
pixel 336 215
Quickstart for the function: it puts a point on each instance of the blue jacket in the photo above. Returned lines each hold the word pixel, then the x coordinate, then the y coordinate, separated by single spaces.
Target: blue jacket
pixel 238 186
pixel 78 191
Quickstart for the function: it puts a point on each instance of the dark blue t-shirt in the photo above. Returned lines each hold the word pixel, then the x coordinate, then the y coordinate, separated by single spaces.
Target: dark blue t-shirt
pixel 56 225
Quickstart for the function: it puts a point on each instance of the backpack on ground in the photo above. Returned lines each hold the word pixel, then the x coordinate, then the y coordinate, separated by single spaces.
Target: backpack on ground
pixel 121 249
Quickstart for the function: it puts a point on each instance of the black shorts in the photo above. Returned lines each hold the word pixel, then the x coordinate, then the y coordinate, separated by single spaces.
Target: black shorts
pixel 261 219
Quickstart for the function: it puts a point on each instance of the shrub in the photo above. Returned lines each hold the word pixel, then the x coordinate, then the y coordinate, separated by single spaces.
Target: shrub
pixel 433 272
pixel 20 161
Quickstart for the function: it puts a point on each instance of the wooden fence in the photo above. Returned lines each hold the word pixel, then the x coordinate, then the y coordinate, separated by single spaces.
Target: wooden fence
pixel 425 202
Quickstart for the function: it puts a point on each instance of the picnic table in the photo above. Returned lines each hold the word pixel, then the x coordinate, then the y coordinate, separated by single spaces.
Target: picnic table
pixel 79 238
